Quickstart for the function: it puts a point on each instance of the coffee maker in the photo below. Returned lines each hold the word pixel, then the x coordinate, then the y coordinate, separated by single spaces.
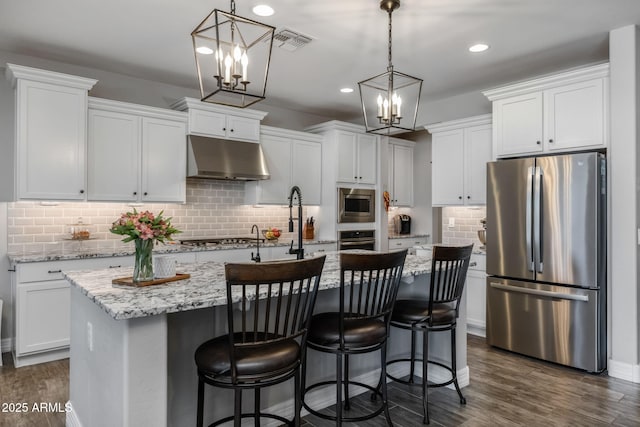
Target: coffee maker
pixel 402 224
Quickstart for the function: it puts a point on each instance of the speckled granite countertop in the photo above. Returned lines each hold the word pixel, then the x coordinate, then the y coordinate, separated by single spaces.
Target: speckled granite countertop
pixel 477 249
pixel 56 255
pixel 205 288
pixel 408 236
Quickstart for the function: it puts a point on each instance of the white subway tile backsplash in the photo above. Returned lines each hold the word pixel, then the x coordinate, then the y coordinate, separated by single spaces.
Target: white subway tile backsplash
pixel 467 224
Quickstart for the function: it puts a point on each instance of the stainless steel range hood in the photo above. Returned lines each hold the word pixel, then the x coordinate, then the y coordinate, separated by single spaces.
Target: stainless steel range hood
pixel 225 159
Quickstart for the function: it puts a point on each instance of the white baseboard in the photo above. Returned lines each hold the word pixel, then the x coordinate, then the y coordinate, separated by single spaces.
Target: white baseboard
pixel 478 329
pixel 624 371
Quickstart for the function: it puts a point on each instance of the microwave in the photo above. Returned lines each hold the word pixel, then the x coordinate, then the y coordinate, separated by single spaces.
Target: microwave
pixel 356 205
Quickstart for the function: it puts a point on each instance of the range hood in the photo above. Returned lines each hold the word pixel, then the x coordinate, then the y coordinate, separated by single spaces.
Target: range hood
pixel 215 158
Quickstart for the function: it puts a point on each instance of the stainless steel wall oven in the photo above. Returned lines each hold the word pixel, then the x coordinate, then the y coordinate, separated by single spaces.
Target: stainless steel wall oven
pixel 357 239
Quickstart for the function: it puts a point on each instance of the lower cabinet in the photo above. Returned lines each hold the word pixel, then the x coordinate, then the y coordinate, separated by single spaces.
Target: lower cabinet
pixel 476 295
pixel 405 243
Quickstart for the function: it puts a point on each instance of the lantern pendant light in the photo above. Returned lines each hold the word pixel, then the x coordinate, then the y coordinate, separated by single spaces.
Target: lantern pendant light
pixel 390 100
pixel 232 58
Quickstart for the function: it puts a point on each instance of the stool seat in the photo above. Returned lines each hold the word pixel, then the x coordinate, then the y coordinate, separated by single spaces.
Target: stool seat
pixel 417 311
pixel 324 330
pixel 212 357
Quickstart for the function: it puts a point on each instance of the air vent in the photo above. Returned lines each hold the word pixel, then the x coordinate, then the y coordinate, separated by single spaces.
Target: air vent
pixel 290 40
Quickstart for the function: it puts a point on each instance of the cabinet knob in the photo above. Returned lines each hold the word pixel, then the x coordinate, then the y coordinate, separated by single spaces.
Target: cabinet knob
pixel 538 142
pixel 460 197
pixel 355 177
pixel 360 177
pixel 550 140
pixel 231 130
pixel 145 193
pixel 468 197
pixel 224 129
pixel 135 193
pixel 81 191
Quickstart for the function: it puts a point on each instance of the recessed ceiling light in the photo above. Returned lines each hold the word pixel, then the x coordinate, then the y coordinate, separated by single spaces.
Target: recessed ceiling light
pixel 263 10
pixel 480 47
pixel 204 50
pixel 346 90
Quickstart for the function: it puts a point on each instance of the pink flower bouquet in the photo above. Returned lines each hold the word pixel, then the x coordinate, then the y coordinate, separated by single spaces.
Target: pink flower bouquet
pixel 144 226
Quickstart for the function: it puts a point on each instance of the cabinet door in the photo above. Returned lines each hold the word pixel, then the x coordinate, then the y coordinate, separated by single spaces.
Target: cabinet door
pixel 43 311
pixel 476 296
pixel 402 191
pixel 207 123
pixel 113 155
pixel 164 161
pixel 306 170
pixel 518 125
pixel 347 171
pixel 277 153
pixel 575 116
pixel 477 152
pixel 366 159
pixel 242 128
pixel 51 138
pixel 446 171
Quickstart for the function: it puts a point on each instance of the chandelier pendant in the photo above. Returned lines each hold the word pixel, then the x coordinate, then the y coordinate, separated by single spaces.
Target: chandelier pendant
pixel 227 48
pixel 387 96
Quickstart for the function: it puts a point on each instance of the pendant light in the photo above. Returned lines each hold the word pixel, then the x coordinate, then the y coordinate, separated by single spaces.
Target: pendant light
pixel 390 100
pixel 232 57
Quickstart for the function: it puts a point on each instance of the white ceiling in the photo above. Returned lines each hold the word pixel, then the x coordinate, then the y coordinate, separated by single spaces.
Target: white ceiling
pixel 151 39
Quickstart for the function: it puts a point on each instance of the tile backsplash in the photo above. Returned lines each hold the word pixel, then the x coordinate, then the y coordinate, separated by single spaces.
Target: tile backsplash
pixel 466 223
pixel 212 209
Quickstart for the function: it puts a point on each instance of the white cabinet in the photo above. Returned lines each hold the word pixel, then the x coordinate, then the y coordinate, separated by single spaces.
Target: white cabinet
pixel 50 134
pixel 460 152
pixel 219 121
pixel 563 112
pixel 401 172
pixel 293 158
pixel 42 307
pixel 135 153
pixel 476 295
pixel 356 158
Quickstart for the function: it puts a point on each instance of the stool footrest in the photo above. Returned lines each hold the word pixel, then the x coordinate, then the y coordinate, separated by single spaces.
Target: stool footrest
pixel 364 417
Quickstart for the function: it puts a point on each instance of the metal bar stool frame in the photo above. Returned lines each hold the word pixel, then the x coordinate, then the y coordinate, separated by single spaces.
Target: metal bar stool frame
pixel 368 288
pixel 449 267
pixel 288 291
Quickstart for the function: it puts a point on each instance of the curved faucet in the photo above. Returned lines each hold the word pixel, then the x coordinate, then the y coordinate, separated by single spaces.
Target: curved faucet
pixel 257 257
pixel 300 251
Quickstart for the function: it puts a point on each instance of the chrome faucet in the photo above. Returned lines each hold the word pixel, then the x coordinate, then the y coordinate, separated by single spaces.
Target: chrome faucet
pixel 300 251
pixel 257 257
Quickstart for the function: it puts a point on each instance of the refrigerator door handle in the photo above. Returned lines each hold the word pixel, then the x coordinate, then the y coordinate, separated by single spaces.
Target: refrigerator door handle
pixel 537 219
pixel 530 262
pixel 538 292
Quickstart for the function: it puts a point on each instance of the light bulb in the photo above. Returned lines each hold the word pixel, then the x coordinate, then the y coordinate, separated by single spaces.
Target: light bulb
pixel 379 100
pixel 245 61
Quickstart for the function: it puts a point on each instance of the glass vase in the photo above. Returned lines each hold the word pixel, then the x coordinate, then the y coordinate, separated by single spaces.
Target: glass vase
pixel 143 267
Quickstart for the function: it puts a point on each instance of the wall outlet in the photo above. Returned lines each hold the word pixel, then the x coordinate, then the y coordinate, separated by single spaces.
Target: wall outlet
pixel 452 222
pixel 90 336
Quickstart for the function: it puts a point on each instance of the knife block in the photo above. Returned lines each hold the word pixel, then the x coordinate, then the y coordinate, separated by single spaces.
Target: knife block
pixel 308 232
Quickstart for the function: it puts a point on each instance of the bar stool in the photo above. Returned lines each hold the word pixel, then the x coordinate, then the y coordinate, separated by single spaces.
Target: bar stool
pixel 265 343
pixel 368 288
pixel 438 313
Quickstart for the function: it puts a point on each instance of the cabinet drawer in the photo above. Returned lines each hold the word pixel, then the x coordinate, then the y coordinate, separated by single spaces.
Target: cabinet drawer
pixel 406 243
pixel 52 270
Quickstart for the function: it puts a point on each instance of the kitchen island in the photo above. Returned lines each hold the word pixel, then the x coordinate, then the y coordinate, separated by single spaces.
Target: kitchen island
pixel 132 348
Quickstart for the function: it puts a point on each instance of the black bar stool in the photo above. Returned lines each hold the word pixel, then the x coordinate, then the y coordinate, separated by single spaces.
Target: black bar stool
pixel 368 288
pixel 438 313
pixel 265 344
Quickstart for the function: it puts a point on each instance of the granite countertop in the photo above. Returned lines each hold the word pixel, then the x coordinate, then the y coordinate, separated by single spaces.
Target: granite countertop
pixel 58 255
pixel 205 288
pixel 407 236
pixel 477 249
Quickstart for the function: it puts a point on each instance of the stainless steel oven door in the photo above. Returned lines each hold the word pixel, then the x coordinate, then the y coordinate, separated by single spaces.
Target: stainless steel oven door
pixel 356 205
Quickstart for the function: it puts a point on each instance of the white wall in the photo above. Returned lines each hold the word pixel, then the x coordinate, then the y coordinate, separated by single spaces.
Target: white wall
pixel 624 54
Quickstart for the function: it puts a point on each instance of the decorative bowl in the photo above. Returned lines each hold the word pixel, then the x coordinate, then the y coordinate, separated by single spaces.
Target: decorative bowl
pixel 271 235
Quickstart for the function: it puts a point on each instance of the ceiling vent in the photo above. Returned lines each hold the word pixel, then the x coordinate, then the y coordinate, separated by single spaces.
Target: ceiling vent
pixel 290 40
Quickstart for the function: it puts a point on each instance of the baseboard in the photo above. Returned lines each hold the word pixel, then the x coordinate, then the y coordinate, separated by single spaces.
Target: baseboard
pixel 624 371
pixel 72 419
pixel 478 329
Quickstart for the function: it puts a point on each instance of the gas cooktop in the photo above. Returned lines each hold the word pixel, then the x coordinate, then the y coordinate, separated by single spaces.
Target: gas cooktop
pixel 215 241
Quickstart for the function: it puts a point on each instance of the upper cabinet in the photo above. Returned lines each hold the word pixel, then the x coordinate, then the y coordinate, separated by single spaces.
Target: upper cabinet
pixel 293 158
pixel 50 135
pixel 219 121
pixel 460 150
pixel 563 112
pixel 136 153
pixel 353 152
pixel 400 184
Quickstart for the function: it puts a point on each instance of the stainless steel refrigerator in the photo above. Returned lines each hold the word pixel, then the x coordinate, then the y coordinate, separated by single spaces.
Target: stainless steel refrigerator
pixel 546 258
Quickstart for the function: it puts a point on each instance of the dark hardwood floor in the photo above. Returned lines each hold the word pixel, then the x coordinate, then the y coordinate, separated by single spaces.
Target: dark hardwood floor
pixel 505 390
